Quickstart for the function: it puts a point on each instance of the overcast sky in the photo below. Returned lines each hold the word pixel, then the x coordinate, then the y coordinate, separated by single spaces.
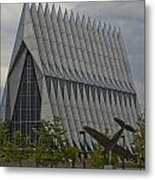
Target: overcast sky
pixel 129 15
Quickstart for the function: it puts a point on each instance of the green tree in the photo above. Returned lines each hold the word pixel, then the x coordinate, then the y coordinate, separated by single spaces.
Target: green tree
pixel 3 141
pixel 7 152
pixel 97 157
pixel 138 145
pixel 50 142
pixel 3 133
pixel 57 133
pixel 18 147
pixel 70 154
pixel 40 147
pixel 58 142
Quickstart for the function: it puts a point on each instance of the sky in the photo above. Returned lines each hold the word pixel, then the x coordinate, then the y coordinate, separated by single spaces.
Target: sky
pixel 129 15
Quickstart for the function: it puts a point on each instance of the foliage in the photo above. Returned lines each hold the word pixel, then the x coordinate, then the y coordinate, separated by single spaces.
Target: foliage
pixel 52 150
pixel 40 146
pixel 57 133
pixel 138 145
pixel 5 146
pixel 13 150
pixel 18 143
pixel 97 157
pixel 7 152
pixel 48 149
pixel 3 133
pixel 71 154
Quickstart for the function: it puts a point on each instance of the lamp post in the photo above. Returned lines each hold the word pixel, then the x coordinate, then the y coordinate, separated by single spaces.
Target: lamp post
pixel 84 148
pixel 123 161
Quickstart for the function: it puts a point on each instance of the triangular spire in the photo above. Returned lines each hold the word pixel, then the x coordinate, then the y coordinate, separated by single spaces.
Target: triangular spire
pixel 89 25
pixel 60 13
pixel 33 7
pixel 105 28
pixel 40 8
pixel 72 17
pixel 77 18
pixel 25 16
pixel 83 20
pixel 66 15
pixel 47 9
pixel 26 6
pixel 95 24
pixel 104 25
pixel 109 29
pixel 53 13
pixel 99 27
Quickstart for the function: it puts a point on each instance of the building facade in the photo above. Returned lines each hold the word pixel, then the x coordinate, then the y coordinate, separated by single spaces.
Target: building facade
pixel 69 67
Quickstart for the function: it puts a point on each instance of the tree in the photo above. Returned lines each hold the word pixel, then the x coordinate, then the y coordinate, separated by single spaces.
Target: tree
pixel 3 140
pixel 57 133
pixel 7 152
pixel 70 154
pixel 3 133
pixel 41 145
pixel 138 145
pixel 18 147
pixel 50 142
pixel 97 157
pixel 58 142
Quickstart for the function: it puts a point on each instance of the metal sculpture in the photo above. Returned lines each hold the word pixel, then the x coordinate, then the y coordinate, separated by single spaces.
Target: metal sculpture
pixel 111 144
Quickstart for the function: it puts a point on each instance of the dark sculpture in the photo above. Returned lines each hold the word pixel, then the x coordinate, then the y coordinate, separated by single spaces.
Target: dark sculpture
pixel 111 144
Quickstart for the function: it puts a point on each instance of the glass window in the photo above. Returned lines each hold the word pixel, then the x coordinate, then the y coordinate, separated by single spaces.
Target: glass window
pixel 28 103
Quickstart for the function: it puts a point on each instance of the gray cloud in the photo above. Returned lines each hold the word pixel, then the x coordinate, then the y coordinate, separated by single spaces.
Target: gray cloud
pixel 129 15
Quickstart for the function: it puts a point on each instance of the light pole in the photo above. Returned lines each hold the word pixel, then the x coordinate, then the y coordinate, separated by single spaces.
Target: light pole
pixel 84 148
pixel 123 161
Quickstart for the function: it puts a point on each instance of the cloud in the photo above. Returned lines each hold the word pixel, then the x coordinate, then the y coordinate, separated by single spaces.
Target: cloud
pixel 10 15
